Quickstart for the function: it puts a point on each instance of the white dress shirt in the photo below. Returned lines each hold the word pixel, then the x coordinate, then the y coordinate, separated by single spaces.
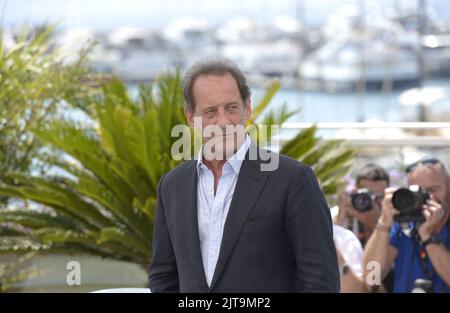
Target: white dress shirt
pixel 212 209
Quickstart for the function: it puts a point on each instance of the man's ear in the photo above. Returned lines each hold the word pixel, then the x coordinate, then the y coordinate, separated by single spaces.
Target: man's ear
pixel 248 109
pixel 189 117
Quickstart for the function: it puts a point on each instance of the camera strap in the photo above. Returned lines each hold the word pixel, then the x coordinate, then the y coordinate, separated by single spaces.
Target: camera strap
pixel 423 261
pixel 422 253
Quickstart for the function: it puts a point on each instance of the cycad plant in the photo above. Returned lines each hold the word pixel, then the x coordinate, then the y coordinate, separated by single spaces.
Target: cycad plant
pixel 101 199
pixel 35 78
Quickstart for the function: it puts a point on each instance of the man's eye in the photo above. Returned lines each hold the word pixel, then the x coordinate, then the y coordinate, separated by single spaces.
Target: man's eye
pixel 210 113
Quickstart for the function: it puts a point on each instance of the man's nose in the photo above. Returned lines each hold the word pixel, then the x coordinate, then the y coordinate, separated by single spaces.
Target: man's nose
pixel 222 119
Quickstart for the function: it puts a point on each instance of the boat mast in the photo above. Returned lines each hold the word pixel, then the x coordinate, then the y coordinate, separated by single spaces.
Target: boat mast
pixel 361 82
pixel 421 30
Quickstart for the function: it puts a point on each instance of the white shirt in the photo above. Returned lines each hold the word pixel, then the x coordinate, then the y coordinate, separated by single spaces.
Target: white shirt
pixel 350 247
pixel 212 210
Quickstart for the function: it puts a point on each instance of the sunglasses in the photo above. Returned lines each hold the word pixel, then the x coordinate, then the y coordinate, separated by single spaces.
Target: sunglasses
pixel 413 166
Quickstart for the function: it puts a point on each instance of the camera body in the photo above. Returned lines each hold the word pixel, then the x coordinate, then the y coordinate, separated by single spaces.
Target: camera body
pixel 409 202
pixel 362 200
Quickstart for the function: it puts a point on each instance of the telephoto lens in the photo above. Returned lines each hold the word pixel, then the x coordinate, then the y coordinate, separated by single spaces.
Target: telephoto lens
pixel 362 200
pixel 409 202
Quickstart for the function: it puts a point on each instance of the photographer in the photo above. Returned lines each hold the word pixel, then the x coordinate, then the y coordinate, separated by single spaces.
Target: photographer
pixel 413 231
pixel 359 210
pixel 355 218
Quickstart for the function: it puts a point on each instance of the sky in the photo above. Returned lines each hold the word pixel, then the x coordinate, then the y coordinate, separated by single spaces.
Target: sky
pixel 109 14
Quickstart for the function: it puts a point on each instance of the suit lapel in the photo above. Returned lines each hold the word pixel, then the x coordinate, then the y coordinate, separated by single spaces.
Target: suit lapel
pixel 250 182
pixel 187 198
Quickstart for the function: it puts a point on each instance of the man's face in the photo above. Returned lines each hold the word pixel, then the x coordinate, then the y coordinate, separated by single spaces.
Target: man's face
pixel 376 187
pixel 218 104
pixel 433 179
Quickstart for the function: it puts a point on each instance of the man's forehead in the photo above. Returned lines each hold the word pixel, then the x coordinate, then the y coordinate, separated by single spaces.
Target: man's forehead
pixel 373 184
pixel 208 85
pixel 214 79
pixel 220 104
pixel 431 174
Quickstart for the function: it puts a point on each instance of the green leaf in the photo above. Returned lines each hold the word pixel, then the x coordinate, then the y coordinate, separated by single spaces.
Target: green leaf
pixel 272 88
pixel 301 144
pixel 34 219
pixel 320 151
pixel 124 238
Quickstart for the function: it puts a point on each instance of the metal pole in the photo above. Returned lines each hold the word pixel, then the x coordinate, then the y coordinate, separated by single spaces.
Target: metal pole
pixel 421 16
pixel 361 82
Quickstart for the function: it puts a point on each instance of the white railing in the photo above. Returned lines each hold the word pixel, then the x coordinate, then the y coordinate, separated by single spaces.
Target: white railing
pixel 365 138
pixel 369 125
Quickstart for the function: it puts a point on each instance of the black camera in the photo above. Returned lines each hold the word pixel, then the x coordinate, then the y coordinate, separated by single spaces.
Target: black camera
pixel 362 200
pixel 422 286
pixel 409 202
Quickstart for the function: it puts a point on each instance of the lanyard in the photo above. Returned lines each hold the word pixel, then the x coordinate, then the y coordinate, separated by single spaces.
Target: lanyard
pixel 423 256
pixel 423 262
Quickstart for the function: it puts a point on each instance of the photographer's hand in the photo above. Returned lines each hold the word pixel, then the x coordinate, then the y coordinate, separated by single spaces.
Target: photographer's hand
pixel 434 215
pixel 387 208
pixel 345 205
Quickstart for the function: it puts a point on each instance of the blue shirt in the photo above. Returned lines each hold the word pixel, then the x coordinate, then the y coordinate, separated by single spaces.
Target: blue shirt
pixel 408 266
pixel 212 210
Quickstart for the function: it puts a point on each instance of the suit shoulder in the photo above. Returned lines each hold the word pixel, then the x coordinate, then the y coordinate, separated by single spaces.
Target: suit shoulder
pixel 291 165
pixel 285 167
pixel 179 171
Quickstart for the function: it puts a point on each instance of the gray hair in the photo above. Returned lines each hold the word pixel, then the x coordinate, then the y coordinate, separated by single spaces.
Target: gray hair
pixel 217 67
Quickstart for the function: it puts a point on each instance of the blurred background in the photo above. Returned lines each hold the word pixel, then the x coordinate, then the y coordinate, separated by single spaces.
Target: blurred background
pixel 339 61
pixel 375 73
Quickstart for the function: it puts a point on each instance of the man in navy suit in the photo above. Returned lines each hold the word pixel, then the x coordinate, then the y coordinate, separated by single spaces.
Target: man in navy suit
pixel 224 222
